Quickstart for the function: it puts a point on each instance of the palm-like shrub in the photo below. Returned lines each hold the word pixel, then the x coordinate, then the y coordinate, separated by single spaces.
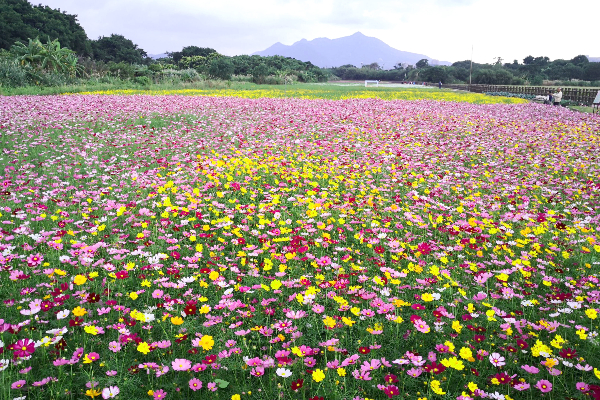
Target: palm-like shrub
pixel 46 57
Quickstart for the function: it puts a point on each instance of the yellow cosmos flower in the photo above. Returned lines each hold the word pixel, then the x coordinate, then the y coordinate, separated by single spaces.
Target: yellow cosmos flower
pixel 79 311
pixel 176 320
pixel 276 284
pixel 143 348
pixel 92 330
pixel 79 280
pixel 207 342
pixel 318 375
pixel 591 313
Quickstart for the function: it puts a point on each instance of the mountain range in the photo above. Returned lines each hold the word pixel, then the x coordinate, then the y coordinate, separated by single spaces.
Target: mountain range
pixel 356 49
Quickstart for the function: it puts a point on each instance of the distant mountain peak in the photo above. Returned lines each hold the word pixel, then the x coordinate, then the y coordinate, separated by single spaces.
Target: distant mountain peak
pixel 356 49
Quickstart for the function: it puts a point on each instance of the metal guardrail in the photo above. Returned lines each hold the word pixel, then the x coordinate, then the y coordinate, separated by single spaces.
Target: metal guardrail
pixel 580 95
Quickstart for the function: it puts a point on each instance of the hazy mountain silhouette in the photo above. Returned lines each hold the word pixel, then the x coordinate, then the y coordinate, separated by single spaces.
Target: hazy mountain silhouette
pixel 354 49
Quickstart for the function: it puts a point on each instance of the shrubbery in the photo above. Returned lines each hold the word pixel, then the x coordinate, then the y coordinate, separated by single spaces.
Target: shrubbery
pixel 508 94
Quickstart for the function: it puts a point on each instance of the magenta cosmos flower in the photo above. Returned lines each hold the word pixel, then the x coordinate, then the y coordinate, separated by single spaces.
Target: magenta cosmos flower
pixel 24 348
pixel 18 384
pixel 195 384
pixel 544 385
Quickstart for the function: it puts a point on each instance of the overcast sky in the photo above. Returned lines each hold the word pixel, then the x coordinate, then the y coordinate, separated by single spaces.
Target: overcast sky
pixel 441 29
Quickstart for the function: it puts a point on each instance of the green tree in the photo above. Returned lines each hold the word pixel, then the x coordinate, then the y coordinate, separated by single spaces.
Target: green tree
pixel 221 68
pixel 191 51
pixel 373 66
pixel 19 21
pixel 580 61
pixel 572 71
pixel 199 63
pixel 117 48
pixel 434 74
pixel 260 72
pixel 592 72
pixel 493 76
pixel 422 63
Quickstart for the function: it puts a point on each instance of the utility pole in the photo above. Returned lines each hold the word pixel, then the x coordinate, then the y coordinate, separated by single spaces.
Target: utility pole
pixel 471 69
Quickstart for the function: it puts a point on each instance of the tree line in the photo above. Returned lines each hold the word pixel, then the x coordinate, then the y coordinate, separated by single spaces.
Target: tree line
pixel 532 70
pixel 44 46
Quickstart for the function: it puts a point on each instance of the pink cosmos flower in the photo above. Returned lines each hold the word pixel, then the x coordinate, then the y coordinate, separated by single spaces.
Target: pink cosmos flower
pixel 181 364
pixel 160 394
pixel 497 360
pixel 110 392
pixel 530 369
pixel 195 384
pixel 34 260
pixel 296 314
pixel 323 261
pixel 18 384
pixel 422 326
pixel 115 347
pixel 544 385
pixel 310 361
pixel 582 387
pixel 415 372
pixel 318 308
pixel 253 362
pixel 521 386
pixel 370 365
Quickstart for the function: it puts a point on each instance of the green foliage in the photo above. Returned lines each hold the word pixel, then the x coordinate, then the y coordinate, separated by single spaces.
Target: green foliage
pixel 493 76
pixel 423 63
pixel 260 72
pixel 199 63
pixel 221 68
pixel 12 74
pixel 509 94
pixel 350 72
pixel 118 49
pixel 191 51
pixel 434 74
pixel 143 80
pixel 185 75
pixel 592 71
pixel 19 20
pixel 580 61
pixel 49 57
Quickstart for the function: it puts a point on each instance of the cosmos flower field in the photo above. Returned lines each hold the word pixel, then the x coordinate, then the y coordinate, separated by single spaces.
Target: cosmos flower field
pixel 178 247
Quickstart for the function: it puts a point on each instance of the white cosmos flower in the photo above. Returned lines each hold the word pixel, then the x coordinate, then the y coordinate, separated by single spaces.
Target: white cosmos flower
pixel 63 314
pixel 283 372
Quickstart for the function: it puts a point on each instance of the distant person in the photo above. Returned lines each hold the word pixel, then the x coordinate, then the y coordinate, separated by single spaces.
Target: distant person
pixel 440 84
pixel 557 97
